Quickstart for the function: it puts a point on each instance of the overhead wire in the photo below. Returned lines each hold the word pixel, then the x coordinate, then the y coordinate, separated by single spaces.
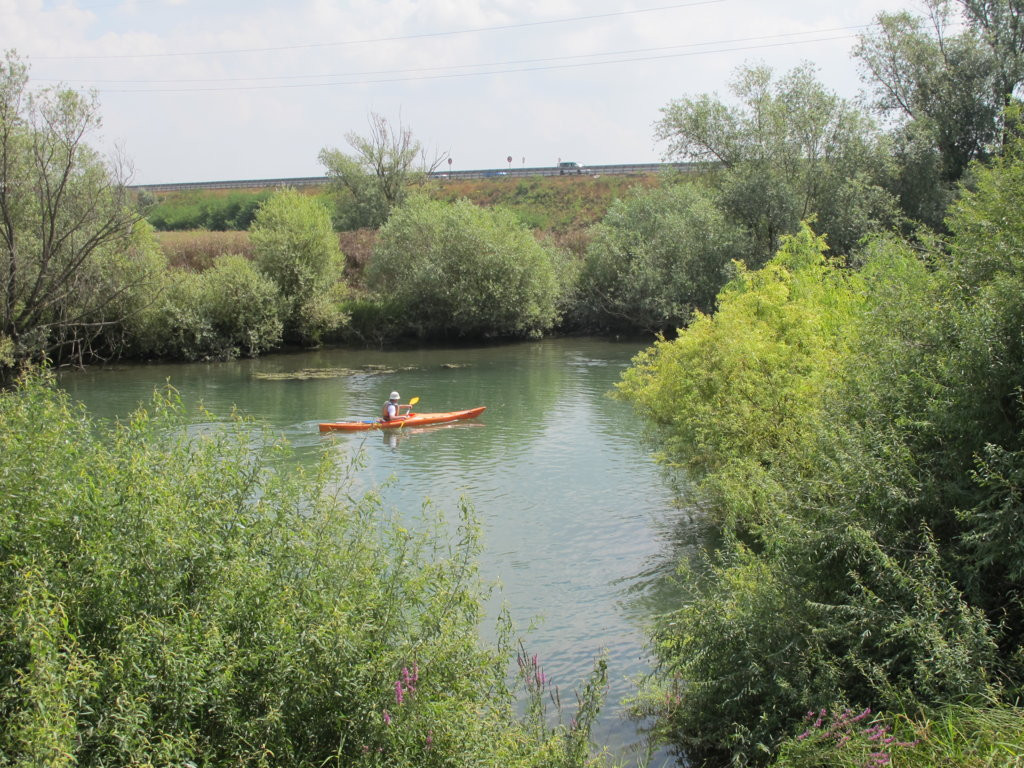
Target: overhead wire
pixel 417 71
pixel 394 38
pixel 414 74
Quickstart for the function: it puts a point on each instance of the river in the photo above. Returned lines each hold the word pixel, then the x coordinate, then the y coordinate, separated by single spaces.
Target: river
pixel 575 512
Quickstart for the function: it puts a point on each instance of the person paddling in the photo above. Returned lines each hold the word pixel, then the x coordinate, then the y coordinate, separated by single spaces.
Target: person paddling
pixel 391 408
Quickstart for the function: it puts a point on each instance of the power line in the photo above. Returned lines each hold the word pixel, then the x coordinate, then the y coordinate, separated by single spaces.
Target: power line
pixel 418 70
pixel 417 36
pixel 475 74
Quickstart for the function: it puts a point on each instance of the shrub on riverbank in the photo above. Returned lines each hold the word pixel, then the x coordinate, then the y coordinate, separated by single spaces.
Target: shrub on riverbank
pixel 227 311
pixel 658 255
pixel 294 245
pixel 168 599
pixel 458 270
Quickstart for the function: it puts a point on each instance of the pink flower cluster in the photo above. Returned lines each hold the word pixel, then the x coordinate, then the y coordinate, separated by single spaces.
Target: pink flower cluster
pixel 533 672
pixel 842 729
pixel 405 686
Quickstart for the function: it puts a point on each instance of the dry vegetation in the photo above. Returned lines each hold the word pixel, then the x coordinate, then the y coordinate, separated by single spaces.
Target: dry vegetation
pixel 196 249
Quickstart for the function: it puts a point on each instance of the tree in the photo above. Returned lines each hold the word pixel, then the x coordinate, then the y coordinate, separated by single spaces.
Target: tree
pixel 941 92
pixel 790 151
pixel 294 244
pixel 1001 24
pixel 377 177
pixel 657 256
pixel 458 269
pixel 63 207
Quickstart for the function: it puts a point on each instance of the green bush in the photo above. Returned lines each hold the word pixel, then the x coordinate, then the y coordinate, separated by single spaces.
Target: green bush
pixel 823 613
pixel 742 390
pixel 177 600
pixel 242 305
pixel 205 210
pixel 460 270
pixel 294 244
pixel 229 310
pixel 181 327
pixel 657 256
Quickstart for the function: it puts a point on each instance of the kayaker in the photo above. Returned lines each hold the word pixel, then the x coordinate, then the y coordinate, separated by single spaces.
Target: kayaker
pixel 391 408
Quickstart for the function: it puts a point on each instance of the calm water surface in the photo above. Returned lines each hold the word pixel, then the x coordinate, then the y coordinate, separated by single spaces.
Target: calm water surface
pixel 572 505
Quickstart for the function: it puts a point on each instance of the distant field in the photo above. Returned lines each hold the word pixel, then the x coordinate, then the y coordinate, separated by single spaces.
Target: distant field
pixel 552 204
pixel 197 248
pixel 555 204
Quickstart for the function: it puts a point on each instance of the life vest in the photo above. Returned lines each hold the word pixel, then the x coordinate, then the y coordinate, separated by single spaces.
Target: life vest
pixel 384 411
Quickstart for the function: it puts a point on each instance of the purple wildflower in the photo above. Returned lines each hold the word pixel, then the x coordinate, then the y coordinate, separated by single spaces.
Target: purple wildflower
pixel 387 717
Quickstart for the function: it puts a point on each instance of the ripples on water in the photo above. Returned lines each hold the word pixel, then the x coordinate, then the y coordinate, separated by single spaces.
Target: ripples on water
pixel 560 474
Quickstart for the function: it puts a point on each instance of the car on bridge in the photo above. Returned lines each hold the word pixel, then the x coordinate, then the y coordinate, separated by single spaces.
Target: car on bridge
pixel 569 166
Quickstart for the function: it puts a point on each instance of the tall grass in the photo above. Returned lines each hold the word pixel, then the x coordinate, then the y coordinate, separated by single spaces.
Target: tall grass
pixel 957 736
pixel 196 249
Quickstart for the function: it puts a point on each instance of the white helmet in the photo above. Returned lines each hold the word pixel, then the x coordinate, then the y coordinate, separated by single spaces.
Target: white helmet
pixel 395 396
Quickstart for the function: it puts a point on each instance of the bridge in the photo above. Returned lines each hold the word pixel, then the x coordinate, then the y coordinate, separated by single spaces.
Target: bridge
pixel 509 172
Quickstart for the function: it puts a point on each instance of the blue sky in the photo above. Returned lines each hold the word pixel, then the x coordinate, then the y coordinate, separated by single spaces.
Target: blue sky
pixel 199 90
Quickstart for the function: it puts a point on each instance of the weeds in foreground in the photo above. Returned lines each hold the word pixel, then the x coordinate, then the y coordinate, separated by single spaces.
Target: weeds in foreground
pixel 958 736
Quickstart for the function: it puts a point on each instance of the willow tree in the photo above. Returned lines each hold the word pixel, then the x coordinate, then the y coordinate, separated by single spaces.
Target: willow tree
pixel 1001 25
pixel 376 177
pixel 787 150
pixel 459 270
pixel 64 213
pixel 937 84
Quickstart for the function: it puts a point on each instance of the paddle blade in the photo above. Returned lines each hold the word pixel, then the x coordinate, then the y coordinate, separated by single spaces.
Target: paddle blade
pixel 414 401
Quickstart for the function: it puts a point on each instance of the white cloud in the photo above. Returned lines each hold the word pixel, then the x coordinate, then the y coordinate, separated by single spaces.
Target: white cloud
pixel 598 113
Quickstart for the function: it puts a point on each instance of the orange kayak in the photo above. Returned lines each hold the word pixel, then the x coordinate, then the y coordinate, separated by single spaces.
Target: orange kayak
pixel 412 420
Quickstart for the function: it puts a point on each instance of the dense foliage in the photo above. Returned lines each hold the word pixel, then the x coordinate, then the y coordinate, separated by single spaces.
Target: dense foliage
pixel 858 436
pixel 197 210
pixel 790 150
pixel 455 269
pixel 230 310
pixel 657 256
pixel 168 599
pixel 294 244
